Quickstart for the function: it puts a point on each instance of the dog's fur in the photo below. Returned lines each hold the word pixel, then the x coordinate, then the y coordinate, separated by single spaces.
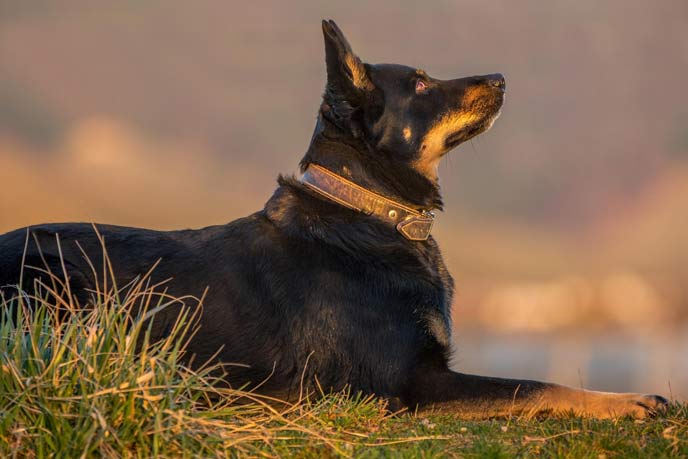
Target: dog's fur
pixel 308 291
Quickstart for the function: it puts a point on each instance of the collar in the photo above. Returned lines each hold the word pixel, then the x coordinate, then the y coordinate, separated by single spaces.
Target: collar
pixel 414 225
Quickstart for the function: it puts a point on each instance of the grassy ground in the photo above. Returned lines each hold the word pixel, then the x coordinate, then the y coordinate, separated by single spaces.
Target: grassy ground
pixel 561 438
pixel 91 383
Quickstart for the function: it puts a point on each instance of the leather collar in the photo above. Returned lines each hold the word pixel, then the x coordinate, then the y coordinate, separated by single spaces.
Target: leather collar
pixel 412 224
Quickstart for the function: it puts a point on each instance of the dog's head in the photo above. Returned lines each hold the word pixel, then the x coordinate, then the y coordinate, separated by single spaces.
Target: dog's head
pixel 402 112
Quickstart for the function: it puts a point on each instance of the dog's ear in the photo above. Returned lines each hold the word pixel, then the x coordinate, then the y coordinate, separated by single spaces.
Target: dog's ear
pixel 347 77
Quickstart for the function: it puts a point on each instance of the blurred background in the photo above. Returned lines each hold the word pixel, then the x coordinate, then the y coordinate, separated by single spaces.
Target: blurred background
pixel 566 226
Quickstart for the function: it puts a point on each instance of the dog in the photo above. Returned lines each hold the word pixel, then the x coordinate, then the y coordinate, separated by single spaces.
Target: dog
pixel 337 282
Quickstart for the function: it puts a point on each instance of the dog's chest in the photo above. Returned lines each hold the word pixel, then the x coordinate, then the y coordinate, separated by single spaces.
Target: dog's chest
pixel 377 336
pixel 378 310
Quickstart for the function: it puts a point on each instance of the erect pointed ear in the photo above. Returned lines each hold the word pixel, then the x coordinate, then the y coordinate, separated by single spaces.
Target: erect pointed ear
pixel 347 78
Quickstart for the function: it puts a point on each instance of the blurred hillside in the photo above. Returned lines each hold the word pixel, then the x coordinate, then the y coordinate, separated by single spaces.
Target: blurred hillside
pixel 570 215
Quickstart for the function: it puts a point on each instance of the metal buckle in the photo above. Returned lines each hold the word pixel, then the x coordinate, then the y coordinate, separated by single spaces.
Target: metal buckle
pixel 417 227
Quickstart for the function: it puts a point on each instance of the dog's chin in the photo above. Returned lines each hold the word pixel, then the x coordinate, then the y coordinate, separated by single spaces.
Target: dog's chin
pixel 468 132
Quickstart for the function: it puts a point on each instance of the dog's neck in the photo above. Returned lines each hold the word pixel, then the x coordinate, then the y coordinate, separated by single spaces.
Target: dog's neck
pixel 414 225
pixel 338 151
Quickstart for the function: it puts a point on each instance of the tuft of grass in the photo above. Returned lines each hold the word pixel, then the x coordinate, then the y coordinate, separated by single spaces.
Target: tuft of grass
pixel 91 382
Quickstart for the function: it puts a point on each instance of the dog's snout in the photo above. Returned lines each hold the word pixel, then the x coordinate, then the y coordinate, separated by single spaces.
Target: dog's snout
pixel 497 80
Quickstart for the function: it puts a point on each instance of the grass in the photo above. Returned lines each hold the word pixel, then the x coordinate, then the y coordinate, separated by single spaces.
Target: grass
pixel 91 382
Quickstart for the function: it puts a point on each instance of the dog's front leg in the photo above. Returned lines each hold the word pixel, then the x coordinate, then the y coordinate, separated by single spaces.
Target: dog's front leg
pixel 481 397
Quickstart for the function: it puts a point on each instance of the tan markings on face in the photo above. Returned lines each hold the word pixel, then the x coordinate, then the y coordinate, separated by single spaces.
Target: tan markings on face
pixel 407 133
pixel 432 145
pixel 472 94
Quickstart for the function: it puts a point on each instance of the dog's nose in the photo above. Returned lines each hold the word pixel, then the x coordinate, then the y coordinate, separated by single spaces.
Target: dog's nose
pixel 497 80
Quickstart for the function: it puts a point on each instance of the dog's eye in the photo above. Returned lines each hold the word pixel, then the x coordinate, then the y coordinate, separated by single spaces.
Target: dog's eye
pixel 421 86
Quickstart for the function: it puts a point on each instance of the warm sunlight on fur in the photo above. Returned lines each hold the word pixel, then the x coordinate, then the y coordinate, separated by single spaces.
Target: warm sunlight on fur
pixel 433 144
pixel 358 74
pixel 407 133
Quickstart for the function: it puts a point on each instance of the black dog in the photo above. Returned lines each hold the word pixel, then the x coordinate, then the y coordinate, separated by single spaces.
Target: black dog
pixel 337 281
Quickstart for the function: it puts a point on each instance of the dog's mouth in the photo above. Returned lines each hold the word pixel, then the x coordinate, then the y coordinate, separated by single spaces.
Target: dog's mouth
pixel 470 131
pixel 464 134
pixel 487 107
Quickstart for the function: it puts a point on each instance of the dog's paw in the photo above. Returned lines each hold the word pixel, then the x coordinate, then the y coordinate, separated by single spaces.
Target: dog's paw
pixel 647 405
pixel 603 405
pixel 610 405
